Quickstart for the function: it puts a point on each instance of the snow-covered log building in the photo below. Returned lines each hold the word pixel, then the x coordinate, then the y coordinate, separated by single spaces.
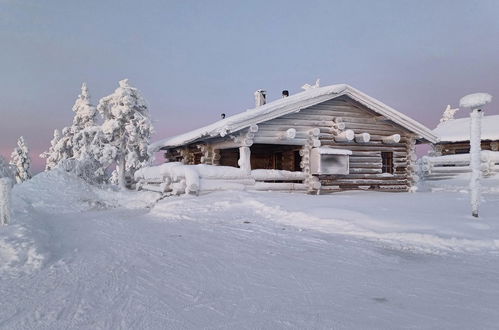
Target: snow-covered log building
pixel 323 138
pixel 454 135
pixel 450 155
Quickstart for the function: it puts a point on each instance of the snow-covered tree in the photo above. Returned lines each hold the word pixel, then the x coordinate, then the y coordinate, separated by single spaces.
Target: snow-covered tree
pixel 84 123
pixel 20 161
pixel 86 140
pixel 126 130
pixel 60 149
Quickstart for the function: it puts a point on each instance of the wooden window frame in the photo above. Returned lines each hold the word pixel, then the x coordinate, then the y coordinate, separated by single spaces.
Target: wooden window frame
pixel 387 162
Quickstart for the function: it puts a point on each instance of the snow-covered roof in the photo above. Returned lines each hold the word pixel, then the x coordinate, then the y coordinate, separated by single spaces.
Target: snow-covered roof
pixel 457 130
pixel 290 104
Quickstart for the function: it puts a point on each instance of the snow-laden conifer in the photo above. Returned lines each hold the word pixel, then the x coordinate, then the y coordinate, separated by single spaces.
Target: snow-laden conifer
pixel 84 123
pixel 60 148
pixel 86 140
pixel 21 162
pixel 126 130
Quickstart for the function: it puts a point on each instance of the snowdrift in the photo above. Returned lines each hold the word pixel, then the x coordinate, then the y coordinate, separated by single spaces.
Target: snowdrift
pixel 24 243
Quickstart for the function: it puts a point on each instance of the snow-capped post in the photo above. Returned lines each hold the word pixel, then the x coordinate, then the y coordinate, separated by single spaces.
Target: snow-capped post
pixel 126 130
pixel 5 200
pixel 475 102
pixel 20 161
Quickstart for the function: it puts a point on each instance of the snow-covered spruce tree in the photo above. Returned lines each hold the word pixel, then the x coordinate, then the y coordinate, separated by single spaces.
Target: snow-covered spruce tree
pixel 60 148
pixel 86 140
pixel 20 161
pixel 84 122
pixel 126 130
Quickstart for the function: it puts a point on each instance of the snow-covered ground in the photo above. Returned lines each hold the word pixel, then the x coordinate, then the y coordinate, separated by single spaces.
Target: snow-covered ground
pixel 76 256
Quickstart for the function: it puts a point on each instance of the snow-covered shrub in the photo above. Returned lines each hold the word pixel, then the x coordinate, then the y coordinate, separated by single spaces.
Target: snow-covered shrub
pixel 21 162
pixel 87 169
pixel 126 130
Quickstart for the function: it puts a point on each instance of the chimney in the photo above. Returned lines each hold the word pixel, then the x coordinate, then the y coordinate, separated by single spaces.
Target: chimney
pixel 285 93
pixel 260 97
pixel 222 115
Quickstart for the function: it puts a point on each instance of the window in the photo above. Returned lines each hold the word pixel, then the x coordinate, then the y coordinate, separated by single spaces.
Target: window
pixel 387 162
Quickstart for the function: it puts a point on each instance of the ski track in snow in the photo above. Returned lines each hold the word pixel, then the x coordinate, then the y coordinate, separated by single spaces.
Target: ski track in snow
pixel 237 260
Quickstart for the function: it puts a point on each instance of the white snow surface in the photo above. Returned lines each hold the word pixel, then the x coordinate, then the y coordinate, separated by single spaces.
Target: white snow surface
pixel 458 130
pixel 290 104
pixel 79 256
pixel 475 100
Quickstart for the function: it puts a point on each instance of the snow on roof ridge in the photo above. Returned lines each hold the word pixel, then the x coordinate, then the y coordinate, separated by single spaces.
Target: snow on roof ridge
pixel 293 103
pixel 223 126
pixel 457 130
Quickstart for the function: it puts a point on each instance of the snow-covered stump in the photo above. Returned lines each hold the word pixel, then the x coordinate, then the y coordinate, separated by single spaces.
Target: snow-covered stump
pixel 475 102
pixel 5 200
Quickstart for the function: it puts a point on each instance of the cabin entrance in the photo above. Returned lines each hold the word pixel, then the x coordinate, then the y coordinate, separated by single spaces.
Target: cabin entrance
pixel 275 157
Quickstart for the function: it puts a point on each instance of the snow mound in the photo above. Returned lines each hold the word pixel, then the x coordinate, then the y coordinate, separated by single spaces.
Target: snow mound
pixel 57 191
pixel 475 100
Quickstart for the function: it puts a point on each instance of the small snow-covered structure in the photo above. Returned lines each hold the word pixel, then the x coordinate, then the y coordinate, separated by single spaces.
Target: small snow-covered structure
pixel 324 138
pixel 454 135
pixel 450 155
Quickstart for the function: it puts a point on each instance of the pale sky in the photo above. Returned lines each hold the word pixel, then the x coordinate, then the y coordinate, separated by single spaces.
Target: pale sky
pixel 196 59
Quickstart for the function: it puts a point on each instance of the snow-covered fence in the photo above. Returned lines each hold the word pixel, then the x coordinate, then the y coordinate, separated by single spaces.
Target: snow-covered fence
pixel 176 178
pixel 5 200
pixel 449 166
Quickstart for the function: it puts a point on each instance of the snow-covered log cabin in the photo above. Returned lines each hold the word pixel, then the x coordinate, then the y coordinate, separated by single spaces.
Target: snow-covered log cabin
pixel 450 155
pixel 322 139
pixel 454 135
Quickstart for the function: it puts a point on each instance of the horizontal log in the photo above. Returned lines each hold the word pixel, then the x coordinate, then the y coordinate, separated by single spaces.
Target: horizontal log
pixel 365 170
pixel 279 186
pixel 303 122
pixel 366 165
pixel 369 182
pixel 268 175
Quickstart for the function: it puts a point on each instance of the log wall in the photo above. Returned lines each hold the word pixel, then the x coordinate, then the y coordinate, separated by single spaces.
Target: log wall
pixel 366 160
pixel 455 148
